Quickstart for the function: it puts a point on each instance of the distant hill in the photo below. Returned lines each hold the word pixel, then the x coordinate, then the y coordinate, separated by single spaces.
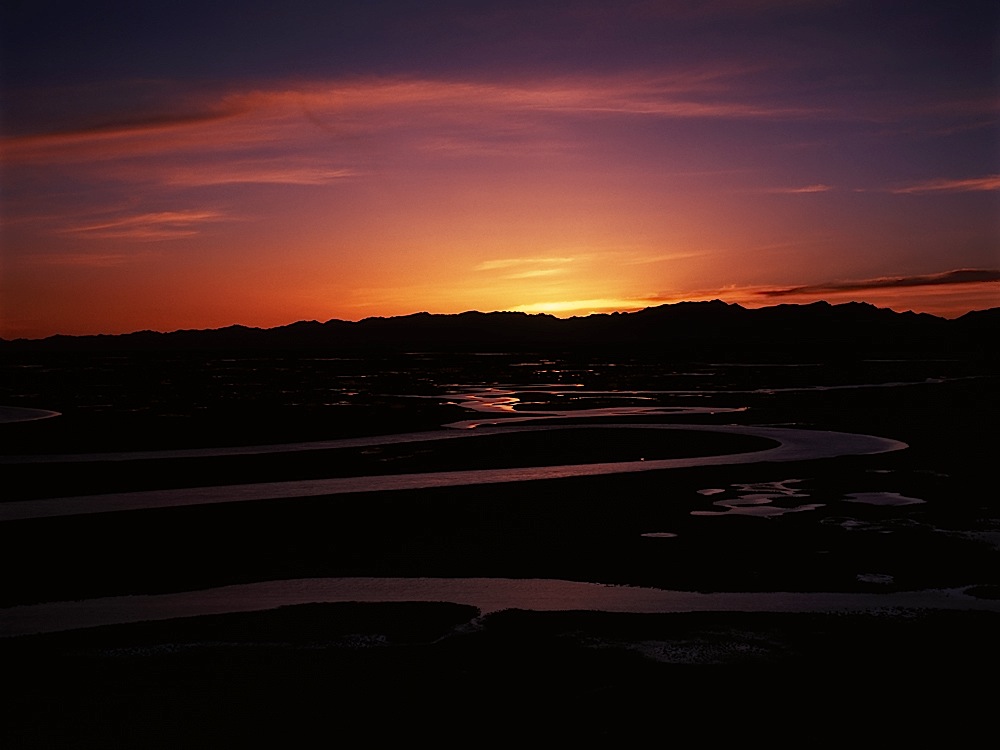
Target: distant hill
pixel 687 329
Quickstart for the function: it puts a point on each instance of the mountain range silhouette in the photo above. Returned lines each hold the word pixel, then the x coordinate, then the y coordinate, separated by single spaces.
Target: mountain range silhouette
pixel 685 329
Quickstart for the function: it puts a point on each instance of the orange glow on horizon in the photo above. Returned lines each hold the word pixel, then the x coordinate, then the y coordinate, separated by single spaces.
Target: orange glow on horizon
pixel 351 198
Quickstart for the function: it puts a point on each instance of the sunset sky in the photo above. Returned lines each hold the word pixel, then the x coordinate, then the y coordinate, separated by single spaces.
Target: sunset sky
pixel 197 165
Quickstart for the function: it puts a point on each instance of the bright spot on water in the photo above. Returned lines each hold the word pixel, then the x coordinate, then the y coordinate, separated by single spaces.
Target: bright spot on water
pixel 882 498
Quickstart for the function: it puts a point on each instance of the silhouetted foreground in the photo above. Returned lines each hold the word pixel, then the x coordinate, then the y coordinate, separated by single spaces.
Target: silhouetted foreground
pixel 402 672
pixel 908 520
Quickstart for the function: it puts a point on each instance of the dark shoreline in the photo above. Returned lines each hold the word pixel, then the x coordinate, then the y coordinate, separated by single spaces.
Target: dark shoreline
pixel 402 672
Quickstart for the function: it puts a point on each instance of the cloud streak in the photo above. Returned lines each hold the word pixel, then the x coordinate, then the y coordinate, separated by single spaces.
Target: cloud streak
pixel 253 173
pixel 508 263
pixel 967 185
pixel 345 108
pixel 958 276
pixel 817 188
pixel 162 225
pixel 525 268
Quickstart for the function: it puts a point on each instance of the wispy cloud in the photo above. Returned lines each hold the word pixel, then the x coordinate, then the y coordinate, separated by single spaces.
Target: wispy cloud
pixel 535 273
pixel 525 268
pixel 124 136
pixel 325 132
pixel 162 225
pixel 817 188
pixel 967 185
pixel 352 108
pixel 958 276
pixel 252 172
pixel 642 260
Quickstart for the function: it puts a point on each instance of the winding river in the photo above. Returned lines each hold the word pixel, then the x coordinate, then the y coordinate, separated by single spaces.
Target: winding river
pixel 793 445
pixel 488 595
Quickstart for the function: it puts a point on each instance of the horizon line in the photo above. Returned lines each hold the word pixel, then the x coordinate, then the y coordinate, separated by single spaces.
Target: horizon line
pixel 540 314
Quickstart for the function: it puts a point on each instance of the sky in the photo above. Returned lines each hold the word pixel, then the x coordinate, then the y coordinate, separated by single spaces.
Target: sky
pixel 196 165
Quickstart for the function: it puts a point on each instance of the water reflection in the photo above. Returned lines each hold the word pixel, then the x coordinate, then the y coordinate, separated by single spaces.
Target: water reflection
pixel 790 445
pixel 882 498
pixel 504 401
pixel 486 594
pixel 22 414
pixel 502 409
pixel 756 499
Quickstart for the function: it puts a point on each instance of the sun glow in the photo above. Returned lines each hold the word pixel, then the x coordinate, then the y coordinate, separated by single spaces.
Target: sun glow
pixel 581 184
pixel 580 307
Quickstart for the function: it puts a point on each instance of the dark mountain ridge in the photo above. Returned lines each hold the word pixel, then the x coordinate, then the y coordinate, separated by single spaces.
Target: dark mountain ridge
pixel 684 329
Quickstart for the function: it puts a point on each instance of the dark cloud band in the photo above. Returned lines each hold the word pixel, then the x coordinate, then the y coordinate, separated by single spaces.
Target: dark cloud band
pixel 958 276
